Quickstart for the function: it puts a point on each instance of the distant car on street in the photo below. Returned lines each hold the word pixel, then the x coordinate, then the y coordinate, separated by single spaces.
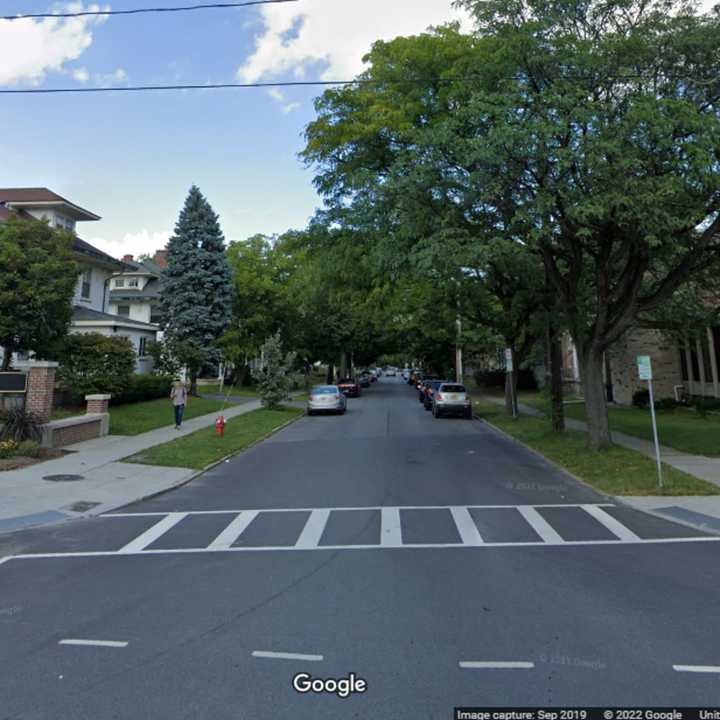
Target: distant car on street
pixel 406 374
pixel 423 385
pixel 326 399
pixel 430 387
pixel 364 379
pixel 349 387
pixel 451 399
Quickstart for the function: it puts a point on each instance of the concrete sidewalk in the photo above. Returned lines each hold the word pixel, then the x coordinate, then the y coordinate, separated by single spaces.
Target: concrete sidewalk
pixel 701 512
pixel 29 499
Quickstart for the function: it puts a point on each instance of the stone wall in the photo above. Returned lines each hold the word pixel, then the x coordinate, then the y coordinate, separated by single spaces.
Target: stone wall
pixel 665 362
pixel 60 433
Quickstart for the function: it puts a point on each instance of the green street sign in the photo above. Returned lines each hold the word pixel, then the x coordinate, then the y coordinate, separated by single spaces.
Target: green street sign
pixel 644 367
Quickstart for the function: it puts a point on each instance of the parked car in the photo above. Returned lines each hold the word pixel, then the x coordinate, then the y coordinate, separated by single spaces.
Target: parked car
pixel 391 372
pixel 415 377
pixel 451 399
pixel 364 379
pixel 326 398
pixel 423 384
pixel 406 374
pixel 349 387
pixel 430 387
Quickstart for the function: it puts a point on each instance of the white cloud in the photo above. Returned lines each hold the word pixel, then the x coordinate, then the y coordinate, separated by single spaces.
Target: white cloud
pixel 335 34
pixel 29 49
pixel 81 74
pixel 112 78
pixel 276 94
pixel 138 243
pixel 290 107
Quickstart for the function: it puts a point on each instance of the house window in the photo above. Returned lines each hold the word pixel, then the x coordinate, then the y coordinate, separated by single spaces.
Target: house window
pixel 141 347
pixel 706 359
pixel 695 363
pixel 123 310
pixel 86 280
pixel 133 282
pixel 716 343
pixel 683 364
pixel 119 282
pixel 155 315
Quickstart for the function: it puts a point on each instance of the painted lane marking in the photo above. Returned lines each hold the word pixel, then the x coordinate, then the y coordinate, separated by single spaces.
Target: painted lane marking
pixel 613 525
pixel 390 528
pixel 233 531
pixel 540 525
pixel 94 643
pixel 313 530
pixel 286 656
pixel 348 509
pixel 496 665
pixel 334 548
pixel 697 668
pixel 153 533
pixel 469 534
pixel 5 559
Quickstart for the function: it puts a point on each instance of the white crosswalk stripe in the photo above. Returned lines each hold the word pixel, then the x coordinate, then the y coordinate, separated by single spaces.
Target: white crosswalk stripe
pixel 466 529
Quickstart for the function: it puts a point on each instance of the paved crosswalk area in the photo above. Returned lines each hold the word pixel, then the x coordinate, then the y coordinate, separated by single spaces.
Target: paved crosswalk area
pixel 386 528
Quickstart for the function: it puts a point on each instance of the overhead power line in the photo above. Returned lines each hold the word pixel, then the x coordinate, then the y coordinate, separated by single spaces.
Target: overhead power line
pixel 137 11
pixel 309 83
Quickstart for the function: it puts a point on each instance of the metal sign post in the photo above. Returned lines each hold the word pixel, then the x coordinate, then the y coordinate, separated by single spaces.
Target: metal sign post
pixel 509 369
pixel 645 373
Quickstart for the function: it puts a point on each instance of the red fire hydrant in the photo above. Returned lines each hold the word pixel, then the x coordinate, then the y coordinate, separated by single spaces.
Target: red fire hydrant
pixel 220 426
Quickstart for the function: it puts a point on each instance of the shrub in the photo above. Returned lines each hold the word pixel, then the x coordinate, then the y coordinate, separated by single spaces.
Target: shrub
pixel 273 379
pixel 8 448
pixel 18 424
pixel 667 404
pixel 95 363
pixel 496 378
pixel 29 448
pixel 706 405
pixel 641 399
pixel 144 387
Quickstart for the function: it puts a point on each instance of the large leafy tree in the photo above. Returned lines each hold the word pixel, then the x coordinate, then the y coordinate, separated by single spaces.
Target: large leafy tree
pixel 196 295
pixel 37 282
pixel 604 127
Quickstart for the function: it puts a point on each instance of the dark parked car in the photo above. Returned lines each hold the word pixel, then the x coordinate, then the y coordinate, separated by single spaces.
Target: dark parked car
pixel 422 386
pixel 349 387
pixel 430 387
pixel 364 380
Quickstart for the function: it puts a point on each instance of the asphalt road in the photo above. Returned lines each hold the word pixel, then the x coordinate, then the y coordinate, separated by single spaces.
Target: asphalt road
pixel 420 554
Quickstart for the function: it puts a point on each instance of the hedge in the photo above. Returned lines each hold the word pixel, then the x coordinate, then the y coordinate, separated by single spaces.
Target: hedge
pixel 496 378
pixel 144 387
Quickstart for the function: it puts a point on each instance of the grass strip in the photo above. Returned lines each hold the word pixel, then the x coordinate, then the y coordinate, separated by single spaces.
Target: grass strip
pixel 682 429
pixel 618 471
pixel 204 447
pixel 136 418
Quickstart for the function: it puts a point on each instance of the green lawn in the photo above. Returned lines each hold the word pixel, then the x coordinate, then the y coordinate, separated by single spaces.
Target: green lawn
pixel 136 418
pixel 227 390
pixel 201 448
pixel 681 429
pixel 617 471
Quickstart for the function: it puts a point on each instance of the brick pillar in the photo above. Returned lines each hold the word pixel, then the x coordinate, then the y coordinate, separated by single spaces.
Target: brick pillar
pixel 97 404
pixel 40 388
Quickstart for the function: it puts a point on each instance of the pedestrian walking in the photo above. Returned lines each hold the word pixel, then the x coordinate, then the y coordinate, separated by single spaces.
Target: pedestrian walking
pixel 178 395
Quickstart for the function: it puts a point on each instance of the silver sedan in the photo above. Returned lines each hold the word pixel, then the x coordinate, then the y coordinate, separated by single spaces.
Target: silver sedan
pixel 326 398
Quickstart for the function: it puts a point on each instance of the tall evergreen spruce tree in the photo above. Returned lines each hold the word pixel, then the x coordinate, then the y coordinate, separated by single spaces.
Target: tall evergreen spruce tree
pixel 196 295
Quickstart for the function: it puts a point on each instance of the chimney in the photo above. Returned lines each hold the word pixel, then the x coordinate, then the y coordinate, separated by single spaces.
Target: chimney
pixel 127 258
pixel 160 258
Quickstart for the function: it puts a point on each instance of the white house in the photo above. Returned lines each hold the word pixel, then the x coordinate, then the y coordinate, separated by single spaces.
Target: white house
pixel 91 308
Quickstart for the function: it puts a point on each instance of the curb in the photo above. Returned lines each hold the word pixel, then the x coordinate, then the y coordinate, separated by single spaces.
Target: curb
pixel 157 493
pixel 618 499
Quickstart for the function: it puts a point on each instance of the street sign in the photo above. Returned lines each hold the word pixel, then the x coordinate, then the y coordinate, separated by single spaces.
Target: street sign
pixel 644 367
pixel 645 373
pixel 508 360
pixel 13 382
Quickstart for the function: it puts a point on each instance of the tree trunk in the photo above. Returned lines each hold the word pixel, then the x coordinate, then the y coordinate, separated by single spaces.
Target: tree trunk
pixel 557 410
pixel 330 374
pixel 193 385
pixel 7 356
pixel 595 400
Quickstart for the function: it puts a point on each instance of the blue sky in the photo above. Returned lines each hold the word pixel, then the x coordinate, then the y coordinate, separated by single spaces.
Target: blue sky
pixel 132 157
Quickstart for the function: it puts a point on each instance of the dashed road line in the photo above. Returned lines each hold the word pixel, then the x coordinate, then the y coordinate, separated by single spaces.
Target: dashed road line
pixel 94 643
pixel 286 656
pixel 697 668
pixel 496 665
